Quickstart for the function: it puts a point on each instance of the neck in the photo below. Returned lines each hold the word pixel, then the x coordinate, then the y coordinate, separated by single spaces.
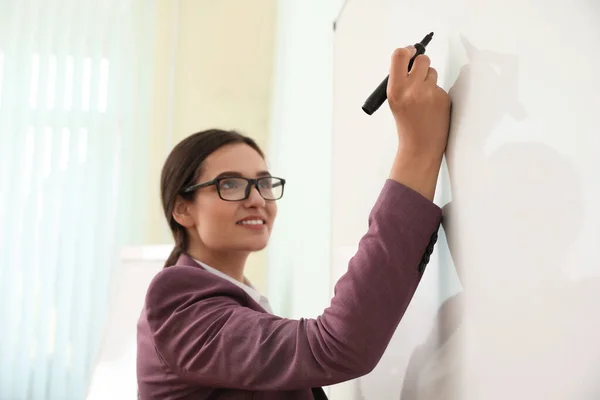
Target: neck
pixel 230 263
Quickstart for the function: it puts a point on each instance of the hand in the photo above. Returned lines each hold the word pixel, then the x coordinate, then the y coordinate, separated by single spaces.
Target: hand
pixel 422 113
pixel 421 109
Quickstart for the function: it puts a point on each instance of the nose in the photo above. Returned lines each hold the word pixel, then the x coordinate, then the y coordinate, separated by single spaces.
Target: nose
pixel 254 198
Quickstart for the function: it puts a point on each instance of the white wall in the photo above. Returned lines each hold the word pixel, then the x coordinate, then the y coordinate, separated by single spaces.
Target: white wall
pixel 299 254
pixel 524 221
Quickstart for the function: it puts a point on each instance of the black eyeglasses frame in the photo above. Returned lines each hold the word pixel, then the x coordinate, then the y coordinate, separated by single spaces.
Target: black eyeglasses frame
pixel 252 182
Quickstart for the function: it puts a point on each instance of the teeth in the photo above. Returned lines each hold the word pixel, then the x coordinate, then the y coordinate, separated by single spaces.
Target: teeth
pixel 252 222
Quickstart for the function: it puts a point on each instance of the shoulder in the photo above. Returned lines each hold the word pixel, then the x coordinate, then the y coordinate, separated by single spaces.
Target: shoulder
pixel 178 287
pixel 177 277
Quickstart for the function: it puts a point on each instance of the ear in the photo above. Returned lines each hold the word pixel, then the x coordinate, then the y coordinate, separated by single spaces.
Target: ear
pixel 182 212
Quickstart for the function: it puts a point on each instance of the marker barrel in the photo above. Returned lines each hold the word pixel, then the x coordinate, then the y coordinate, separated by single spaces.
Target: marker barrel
pixel 379 95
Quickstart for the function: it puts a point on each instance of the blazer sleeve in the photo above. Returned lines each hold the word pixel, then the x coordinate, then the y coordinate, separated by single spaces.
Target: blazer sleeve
pixel 205 334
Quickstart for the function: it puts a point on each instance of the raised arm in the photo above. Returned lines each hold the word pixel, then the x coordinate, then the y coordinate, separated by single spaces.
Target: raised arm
pixel 206 335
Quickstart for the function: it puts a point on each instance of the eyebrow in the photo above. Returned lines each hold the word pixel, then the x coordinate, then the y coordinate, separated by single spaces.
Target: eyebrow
pixel 235 174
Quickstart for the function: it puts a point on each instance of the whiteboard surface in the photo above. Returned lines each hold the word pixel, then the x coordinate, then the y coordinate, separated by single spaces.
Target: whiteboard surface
pixel 512 311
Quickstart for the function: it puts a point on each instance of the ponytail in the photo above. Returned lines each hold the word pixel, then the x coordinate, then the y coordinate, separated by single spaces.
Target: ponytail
pixel 180 244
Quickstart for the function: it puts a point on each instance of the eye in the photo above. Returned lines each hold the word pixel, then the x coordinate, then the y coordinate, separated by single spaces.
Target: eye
pixel 266 183
pixel 232 183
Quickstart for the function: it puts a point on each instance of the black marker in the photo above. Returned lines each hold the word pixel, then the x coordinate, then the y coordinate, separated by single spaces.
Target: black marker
pixel 379 95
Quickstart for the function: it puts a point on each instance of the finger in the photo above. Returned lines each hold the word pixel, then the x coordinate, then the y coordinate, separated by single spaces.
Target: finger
pixel 420 67
pixel 400 59
pixel 432 76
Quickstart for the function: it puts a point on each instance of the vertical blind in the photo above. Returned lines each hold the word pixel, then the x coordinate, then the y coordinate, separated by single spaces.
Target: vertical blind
pixel 75 94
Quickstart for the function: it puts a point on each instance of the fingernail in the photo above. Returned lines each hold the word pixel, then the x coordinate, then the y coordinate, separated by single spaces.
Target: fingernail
pixel 413 49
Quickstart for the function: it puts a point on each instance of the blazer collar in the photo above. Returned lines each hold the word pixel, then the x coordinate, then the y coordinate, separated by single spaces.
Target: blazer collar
pixel 185 260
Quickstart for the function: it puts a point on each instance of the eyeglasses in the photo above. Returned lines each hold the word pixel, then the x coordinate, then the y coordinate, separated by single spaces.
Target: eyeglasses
pixel 238 189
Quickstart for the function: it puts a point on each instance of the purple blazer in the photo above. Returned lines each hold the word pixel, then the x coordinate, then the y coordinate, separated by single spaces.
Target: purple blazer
pixel 202 337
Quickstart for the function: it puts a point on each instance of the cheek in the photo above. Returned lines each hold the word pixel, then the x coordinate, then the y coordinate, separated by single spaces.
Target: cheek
pixel 215 221
pixel 272 210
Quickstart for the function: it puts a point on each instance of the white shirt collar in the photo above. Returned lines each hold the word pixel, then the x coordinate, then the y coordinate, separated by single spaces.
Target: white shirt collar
pixel 246 286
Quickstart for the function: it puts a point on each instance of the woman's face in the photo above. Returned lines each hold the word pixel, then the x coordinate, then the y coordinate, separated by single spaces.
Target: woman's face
pixel 218 223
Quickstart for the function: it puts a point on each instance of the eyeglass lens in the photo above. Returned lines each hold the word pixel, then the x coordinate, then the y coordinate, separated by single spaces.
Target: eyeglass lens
pixel 235 188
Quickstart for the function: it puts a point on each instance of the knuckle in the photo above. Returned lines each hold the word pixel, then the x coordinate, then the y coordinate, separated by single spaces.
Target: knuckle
pixel 394 96
pixel 442 93
pixel 423 59
pixel 397 97
pixel 442 97
pixel 400 53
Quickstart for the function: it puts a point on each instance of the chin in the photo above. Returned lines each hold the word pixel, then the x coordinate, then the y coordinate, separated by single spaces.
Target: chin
pixel 246 244
pixel 255 249
pixel 257 246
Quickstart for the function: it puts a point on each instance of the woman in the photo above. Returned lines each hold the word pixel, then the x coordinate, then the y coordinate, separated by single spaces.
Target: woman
pixel 205 333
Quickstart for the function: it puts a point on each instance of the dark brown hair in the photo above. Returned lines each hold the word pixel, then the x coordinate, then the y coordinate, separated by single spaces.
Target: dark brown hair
pixel 183 167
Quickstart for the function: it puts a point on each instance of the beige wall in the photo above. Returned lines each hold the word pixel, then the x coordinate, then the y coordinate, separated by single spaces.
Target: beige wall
pixel 214 62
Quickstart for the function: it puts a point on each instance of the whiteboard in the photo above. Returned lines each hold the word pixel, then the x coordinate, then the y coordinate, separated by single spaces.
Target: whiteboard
pixel 511 310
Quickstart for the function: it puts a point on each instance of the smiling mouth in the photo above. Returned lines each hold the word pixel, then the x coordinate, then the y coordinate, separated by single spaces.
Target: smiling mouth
pixel 252 222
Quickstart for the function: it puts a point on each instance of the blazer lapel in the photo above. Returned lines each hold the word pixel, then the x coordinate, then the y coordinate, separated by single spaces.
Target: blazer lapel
pixel 187 261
